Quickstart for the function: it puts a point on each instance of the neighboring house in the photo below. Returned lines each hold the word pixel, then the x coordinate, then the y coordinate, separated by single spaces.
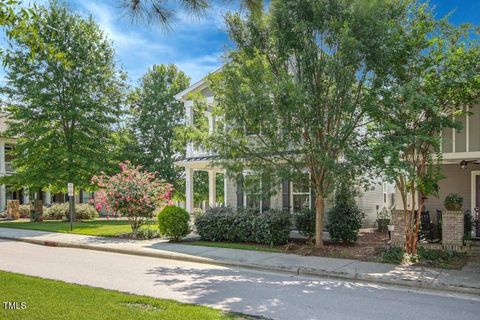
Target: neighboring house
pixel 244 191
pixel 7 144
pixel 460 167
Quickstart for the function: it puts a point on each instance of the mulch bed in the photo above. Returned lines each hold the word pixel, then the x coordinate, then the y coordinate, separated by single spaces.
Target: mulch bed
pixel 369 247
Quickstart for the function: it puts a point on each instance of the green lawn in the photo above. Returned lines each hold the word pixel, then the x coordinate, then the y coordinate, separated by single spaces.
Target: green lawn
pixel 49 299
pixel 103 228
pixel 231 245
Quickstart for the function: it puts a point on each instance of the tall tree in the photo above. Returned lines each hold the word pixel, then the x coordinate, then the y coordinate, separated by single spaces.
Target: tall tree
pixel 296 91
pixel 62 102
pixel 156 115
pixel 433 78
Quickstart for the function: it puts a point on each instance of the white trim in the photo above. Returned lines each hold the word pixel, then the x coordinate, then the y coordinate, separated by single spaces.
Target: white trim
pixel 453 139
pixel 472 155
pixel 473 194
pixel 309 193
pixel 467 130
pixel 251 173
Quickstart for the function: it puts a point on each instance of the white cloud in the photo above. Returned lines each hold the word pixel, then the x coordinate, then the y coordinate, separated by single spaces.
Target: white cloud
pixel 197 68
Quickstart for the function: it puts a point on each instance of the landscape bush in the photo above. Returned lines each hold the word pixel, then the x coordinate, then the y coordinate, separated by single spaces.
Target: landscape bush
pixel 305 223
pixel 24 211
pixel 173 222
pixel 345 218
pixel 145 233
pixel 272 227
pixel 83 211
pixel 244 225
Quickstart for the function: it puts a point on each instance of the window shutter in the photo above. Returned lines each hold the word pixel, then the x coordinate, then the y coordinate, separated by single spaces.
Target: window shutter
pixel 312 198
pixel 286 195
pixel 240 191
pixel 265 203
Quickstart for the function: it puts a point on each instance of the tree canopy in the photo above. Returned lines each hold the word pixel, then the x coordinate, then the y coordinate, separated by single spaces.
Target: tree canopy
pixel 62 102
pixel 433 80
pixel 155 116
pixel 296 90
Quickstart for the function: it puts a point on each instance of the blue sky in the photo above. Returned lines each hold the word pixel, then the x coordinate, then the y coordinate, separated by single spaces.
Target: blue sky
pixel 195 45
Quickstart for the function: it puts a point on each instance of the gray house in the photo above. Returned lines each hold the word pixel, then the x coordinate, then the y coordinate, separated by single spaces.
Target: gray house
pixel 290 196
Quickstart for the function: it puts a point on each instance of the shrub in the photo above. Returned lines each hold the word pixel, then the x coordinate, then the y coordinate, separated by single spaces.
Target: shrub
pixel 245 225
pixel 214 224
pixel 394 255
pixel 133 193
pixel 272 227
pixel 147 233
pixel 345 218
pixel 305 223
pixel 453 202
pixel 173 222
pixel 467 225
pixel 242 225
pixel 24 211
pixel 83 211
pixel 57 211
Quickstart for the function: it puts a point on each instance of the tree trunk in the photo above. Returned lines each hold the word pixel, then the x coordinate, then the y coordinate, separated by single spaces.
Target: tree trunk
pixel 320 208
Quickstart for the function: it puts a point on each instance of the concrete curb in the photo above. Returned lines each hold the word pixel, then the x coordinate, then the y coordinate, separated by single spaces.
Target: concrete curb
pixel 289 270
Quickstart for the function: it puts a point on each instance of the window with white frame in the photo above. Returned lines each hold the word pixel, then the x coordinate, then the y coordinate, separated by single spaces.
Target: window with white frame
pixel 301 194
pixel 252 192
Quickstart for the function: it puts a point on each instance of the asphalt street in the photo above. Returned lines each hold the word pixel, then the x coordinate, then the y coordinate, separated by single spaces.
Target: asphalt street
pixel 273 295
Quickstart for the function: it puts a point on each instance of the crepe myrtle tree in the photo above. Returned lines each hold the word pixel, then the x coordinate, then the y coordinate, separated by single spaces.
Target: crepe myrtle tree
pixel 296 91
pixel 433 79
pixel 133 193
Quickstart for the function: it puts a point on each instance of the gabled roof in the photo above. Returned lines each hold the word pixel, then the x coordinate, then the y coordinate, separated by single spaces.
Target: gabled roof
pixel 199 85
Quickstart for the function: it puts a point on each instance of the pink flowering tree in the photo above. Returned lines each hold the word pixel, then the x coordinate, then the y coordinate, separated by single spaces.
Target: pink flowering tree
pixel 133 193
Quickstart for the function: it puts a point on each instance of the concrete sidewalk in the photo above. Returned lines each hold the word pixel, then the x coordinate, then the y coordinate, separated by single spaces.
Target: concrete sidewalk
pixel 437 279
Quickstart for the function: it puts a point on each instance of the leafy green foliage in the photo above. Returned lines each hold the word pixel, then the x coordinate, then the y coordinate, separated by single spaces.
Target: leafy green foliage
pixel 467 225
pixel 173 222
pixel 433 76
pixel 83 211
pixel 453 201
pixel 62 102
pixel 345 218
pixel 244 225
pixel 305 223
pixel 296 91
pixel 272 227
pixel 133 192
pixel 155 115
pixel 145 233
pixel 393 255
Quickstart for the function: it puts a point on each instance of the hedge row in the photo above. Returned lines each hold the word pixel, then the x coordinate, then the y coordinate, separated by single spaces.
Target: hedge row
pixel 83 211
pixel 244 225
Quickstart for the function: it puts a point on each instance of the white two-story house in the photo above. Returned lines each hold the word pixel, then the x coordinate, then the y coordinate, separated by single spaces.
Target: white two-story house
pixel 7 144
pixel 290 196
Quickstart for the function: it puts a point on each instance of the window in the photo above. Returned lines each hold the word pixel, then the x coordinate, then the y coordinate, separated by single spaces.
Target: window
pixel 384 192
pixel 9 157
pixel 301 194
pixel 253 192
pixel 253 195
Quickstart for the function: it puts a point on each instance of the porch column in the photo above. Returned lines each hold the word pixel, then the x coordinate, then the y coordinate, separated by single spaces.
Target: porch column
pixel 212 188
pixel 189 189
pixel 3 197
pixel 2 157
pixel 225 187
pixel 26 196
pixel 48 198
